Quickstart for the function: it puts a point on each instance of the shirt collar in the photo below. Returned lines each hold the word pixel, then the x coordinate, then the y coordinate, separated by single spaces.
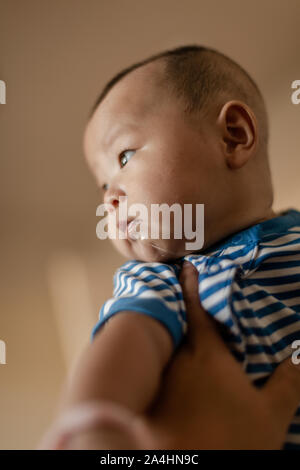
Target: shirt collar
pixel 277 225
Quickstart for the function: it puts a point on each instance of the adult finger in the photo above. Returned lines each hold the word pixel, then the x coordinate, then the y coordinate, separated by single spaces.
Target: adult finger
pixel 282 392
pixel 203 331
pixel 86 419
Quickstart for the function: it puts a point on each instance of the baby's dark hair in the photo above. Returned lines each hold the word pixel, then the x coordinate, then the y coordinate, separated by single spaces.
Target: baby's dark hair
pixel 200 76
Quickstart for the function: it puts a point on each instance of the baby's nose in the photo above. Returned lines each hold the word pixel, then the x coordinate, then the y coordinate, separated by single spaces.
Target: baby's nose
pixel 114 198
pixel 112 203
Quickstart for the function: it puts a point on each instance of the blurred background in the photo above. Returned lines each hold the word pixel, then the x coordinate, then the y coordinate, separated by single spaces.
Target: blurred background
pixel 55 56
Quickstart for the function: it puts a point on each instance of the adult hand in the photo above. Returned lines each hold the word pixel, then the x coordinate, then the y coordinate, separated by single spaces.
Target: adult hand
pixel 206 399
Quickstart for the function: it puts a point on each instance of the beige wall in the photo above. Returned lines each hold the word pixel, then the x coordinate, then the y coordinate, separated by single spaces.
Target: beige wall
pixel 54 57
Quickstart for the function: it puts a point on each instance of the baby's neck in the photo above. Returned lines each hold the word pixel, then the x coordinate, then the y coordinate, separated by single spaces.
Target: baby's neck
pixel 237 223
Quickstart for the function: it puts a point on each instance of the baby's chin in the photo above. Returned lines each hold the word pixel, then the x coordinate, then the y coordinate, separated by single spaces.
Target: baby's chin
pixel 162 251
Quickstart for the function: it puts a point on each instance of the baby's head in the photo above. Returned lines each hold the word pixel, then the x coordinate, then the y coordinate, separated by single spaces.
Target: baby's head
pixel 186 126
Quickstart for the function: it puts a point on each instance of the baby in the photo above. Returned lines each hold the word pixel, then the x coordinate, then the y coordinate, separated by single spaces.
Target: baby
pixel 189 126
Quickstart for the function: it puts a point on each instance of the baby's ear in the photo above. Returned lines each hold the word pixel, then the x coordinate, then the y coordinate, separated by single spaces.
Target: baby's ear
pixel 238 130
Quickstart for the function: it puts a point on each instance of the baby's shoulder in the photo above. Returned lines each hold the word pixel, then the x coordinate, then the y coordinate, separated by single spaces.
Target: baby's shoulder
pixel 150 274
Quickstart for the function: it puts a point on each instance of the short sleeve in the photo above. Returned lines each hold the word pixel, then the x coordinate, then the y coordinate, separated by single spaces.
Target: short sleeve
pixel 149 289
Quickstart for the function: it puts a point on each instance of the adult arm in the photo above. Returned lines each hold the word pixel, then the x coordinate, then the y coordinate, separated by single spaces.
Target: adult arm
pixel 206 401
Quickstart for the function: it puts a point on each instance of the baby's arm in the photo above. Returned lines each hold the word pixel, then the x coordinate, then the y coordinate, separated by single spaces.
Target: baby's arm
pixel 123 364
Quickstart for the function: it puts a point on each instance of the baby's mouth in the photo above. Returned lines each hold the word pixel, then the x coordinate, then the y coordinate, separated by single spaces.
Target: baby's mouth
pixel 131 230
pixel 128 227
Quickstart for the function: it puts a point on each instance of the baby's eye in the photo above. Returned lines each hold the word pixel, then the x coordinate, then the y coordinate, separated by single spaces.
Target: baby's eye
pixel 123 158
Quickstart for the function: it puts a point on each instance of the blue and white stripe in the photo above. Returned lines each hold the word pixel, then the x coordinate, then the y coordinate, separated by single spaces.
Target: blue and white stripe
pixel 250 282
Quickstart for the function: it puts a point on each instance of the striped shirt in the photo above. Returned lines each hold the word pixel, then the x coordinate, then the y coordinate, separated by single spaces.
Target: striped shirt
pixel 249 282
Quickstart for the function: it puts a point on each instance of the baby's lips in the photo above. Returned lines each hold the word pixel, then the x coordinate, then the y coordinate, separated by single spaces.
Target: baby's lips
pixel 126 225
pixel 131 229
pixel 122 225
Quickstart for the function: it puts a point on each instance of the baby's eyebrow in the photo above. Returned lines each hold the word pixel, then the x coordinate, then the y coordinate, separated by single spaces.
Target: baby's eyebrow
pixel 117 131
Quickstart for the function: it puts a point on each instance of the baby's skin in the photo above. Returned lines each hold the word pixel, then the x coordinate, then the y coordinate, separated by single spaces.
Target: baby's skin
pixel 139 144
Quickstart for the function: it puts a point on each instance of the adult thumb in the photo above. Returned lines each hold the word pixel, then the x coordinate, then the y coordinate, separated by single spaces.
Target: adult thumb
pixel 282 391
pixel 202 333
